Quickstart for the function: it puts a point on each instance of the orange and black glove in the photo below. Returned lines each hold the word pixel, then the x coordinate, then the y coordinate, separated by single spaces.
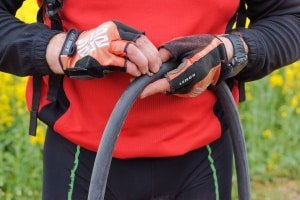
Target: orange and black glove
pixel 202 61
pixel 96 52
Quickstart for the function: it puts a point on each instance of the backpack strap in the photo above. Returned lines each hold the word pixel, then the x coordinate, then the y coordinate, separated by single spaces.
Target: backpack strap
pixel 241 15
pixel 51 8
pixel 36 82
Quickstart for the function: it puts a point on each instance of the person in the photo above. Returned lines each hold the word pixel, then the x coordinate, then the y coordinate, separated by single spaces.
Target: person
pixel 174 143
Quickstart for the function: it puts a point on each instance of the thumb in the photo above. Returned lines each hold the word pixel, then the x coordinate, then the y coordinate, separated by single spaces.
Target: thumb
pixel 159 86
pixel 164 54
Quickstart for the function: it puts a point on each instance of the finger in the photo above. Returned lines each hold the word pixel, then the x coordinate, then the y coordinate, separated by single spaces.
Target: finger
pixel 118 47
pixel 138 58
pixel 150 51
pixel 132 69
pixel 159 86
pixel 122 48
pixel 164 54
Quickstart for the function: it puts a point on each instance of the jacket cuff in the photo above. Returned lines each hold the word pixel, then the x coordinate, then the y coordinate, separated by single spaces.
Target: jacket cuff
pixel 256 54
pixel 40 42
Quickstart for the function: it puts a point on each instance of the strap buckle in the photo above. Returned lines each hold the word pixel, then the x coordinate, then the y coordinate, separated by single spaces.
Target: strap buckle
pixel 53 7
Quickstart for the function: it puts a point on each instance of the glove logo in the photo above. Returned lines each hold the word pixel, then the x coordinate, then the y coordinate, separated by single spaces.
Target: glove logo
pixel 96 39
pixel 187 79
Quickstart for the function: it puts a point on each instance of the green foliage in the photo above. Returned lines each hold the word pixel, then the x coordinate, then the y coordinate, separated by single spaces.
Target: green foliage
pixel 270 118
pixel 20 167
pixel 20 157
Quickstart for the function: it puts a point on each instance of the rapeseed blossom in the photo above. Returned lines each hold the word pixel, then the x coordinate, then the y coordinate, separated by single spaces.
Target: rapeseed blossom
pixel 267 133
pixel 287 80
pixel 29 6
pixel 271 164
pixel 294 102
pixel 276 80
pixel 12 90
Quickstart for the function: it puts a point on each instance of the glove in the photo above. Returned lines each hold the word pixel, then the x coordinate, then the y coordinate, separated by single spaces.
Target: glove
pixel 96 52
pixel 201 58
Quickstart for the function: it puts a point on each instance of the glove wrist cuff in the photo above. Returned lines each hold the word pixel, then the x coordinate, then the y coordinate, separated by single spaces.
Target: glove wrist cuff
pixel 69 47
pixel 240 58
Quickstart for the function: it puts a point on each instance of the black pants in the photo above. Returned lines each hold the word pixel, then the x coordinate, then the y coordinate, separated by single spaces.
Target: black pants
pixel 201 174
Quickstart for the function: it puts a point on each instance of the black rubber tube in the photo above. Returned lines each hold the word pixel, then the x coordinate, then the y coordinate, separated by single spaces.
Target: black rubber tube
pixel 119 114
pixel 232 118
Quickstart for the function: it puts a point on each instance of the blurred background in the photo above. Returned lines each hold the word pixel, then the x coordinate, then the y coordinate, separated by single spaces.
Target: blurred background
pixel 270 117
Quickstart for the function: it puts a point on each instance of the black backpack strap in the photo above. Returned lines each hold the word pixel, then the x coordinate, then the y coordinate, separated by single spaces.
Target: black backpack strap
pixel 37 85
pixel 55 82
pixel 51 7
pixel 241 15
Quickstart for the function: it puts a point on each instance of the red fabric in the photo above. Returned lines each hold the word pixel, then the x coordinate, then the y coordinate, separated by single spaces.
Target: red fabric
pixel 159 125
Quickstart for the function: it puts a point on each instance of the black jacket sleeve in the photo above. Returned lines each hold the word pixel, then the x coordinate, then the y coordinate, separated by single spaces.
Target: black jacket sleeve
pixel 22 46
pixel 273 36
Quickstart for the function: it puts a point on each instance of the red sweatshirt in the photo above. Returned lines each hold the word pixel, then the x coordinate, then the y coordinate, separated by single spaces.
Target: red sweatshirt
pixel 159 125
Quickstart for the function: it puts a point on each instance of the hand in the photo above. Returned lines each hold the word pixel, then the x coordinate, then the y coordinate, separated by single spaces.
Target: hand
pixel 201 57
pixel 109 47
